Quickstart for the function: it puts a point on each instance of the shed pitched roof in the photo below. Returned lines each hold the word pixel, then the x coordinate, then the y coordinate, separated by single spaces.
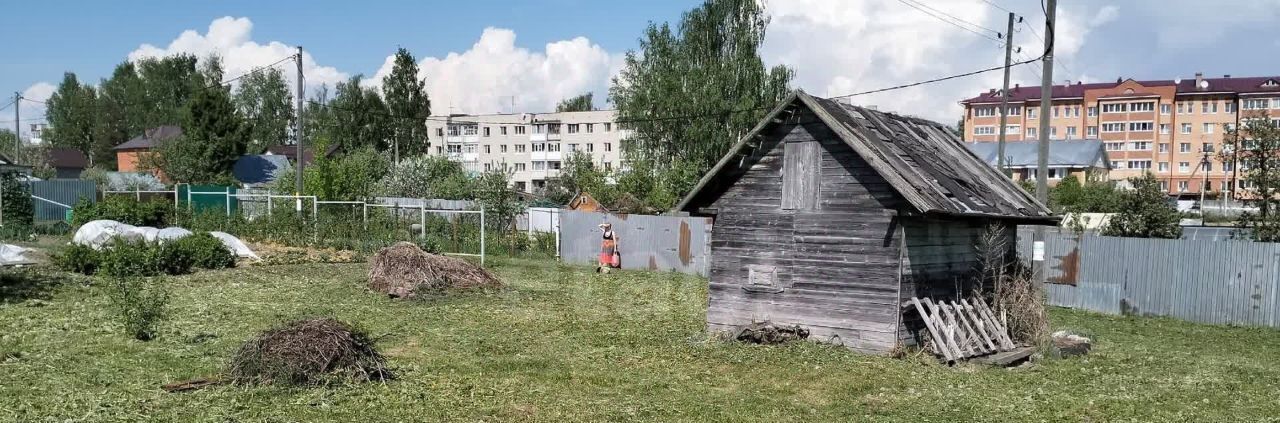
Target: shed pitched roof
pixel 66 157
pixel 258 168
pixel 151 137
pixel 1020 154
pixel 923 161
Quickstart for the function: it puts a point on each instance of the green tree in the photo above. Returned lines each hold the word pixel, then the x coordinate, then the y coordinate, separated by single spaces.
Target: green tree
pixel 212 138
pixel 1255 147
pixel 1144 212
pixel 493 191
pixel 406 100
pixel 427 177
pixel 120 112
pixel 18 212
pixel 71 114
pixel 350 177
pixel 581 103
pixel 168 83
pixel 1095 195
pixel 357 117
pixel 264 101
pixel 578 173
pixel 707 70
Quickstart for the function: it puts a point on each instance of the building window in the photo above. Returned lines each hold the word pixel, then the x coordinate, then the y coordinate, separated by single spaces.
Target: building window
pixel 591 127
pixel 1113 108
pixel 608 126
pixel 1013 111
pixel 1012 129
pixel 488 166
pixel 520 167
pixel 590 147
pixel 439 150
pixel 1145 106
pixel 1076 111
pixel 1164 167
pixel 470 129
pixel 1115 146
pixel 1209 107
pixel 1140 164
pixel 1116 164
pixel 1164 185
pixel 520 148
pixel 984 130
pixel 469 148
pixel 486 148
pixel 1184 167
pixel 608 165
pixel 1256 103
pixel 502 130
pixel 1113 127
pixel 539 165
pixel 1164 129
pixel 1206 166
pixel 1032 112
pixel 608 146
pixel 502 148
pixel 520 130
pixel 987 111
pixel 573 147
pixel 1140 146
pixel 1092 111
pixel 1164 108
pixel 486 131
pixel 1186 128
pixel 1228 166
pixel 1071 132
pixel 1206 147
pixel 1182 186
pixel 439 132
pixel 1229 107
pixel 1053 132
pixel 1140 126
pixel 1031 132
pixel 553 147
pixel 1208 128
pixel 1164 147
pixel 553 165
pixel 454 148
pixel 1091 131
pixel 573 128
pixel 1184 147
pixel 1055 111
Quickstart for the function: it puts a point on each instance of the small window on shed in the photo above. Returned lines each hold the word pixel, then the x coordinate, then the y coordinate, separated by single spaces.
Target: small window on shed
pixel 801 173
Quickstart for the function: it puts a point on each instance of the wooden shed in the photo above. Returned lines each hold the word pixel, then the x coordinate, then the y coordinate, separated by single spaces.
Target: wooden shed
pixel 830 216
pixel 585 202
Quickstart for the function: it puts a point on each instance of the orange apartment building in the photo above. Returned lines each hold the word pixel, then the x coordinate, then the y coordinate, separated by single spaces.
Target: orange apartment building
pixel 1172 128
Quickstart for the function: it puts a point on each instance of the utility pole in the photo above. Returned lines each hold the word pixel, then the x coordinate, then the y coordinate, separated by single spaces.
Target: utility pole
pixel 1042 162
pixel 17 124
pixel 1004 96
pixel 298 130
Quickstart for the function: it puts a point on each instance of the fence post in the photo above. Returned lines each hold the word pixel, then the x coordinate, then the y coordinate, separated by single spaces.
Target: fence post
pixel 269 204
pixel 557 228
pixel 422 220
pixel 482 236
pixel 364 214
pixel 228 197
pixel 137 192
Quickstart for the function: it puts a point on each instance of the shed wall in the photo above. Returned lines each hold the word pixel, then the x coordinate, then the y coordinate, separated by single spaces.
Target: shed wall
pixel 833 267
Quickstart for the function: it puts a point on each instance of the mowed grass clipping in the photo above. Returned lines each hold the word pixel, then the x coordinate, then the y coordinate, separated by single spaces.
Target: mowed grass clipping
pixel 566 344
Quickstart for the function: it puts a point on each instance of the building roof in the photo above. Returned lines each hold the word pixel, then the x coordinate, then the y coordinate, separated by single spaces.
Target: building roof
pixel 151 137
pixel 924 162
pixel 258 168
pixel 1227 85
pixel 1062 153
pixel 66 157
pixel 290 151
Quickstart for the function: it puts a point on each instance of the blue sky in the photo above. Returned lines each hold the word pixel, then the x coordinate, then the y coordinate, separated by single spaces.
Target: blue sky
pixel 478 56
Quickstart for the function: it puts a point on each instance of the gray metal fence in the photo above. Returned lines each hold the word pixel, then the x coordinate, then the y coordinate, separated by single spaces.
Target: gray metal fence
pixel 646 242
pixel 53 198
pixel 1220 282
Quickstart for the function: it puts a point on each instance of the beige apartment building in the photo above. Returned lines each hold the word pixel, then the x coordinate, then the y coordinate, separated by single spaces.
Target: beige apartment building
pixel 532 146
pixel 1172 128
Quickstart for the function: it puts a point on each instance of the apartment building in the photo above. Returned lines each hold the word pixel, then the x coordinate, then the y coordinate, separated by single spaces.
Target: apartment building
pixel 530 145
pixel 1172 128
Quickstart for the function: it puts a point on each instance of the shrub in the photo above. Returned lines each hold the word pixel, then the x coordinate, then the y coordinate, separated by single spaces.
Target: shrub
pixel 140 304
pixel 122 259
pixel 204 251
pixel 124 210
pixel 78 258
pixel 17 207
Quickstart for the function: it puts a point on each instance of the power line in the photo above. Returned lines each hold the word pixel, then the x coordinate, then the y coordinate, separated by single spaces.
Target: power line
pixel 33 101
pixel 970 23
pixel 256 70
pixel 997 6
pixel 953 23
pixel 6 106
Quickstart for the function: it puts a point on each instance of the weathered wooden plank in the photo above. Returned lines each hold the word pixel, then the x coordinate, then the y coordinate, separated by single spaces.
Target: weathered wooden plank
pixel 800 176
pixel 939 345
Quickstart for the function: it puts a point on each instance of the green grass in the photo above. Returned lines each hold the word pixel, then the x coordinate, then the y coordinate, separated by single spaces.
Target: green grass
pixel 565 344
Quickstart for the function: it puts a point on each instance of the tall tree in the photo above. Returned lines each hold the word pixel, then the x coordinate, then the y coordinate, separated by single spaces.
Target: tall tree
pixel 1254 146
pixel 580 103
pixel 264 101
pixel 71 115
pixel 358 117
pixel 120 112
pixel 1144 212
pixel 406 100
pixel 709 72
pixel 212 136
pixel 168 83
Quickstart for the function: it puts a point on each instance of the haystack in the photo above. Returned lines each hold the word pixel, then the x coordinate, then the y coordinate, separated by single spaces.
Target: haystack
pixel 404 271
pixel 308 352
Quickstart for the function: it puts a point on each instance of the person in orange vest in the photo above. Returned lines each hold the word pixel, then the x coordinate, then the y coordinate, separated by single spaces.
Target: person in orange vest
pixel 610 258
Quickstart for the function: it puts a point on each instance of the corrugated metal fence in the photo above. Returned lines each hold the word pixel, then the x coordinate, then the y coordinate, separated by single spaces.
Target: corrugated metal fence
pixel 1220 282
pixel 52 198
pixel 646 242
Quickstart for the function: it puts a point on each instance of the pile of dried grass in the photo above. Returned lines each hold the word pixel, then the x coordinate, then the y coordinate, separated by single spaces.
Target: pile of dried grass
pixel 1020 301
pixel 308 352
pixel 404 271
pixel 769 333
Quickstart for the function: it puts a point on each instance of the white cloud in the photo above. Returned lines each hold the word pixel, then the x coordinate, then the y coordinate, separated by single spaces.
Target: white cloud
pixel 31 111
pixel 484 78
pixel 231 39
pixel 843 47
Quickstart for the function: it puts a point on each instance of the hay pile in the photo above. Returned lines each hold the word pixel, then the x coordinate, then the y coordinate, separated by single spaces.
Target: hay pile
pixel 768 333
pixel 308 352
pixel 404 271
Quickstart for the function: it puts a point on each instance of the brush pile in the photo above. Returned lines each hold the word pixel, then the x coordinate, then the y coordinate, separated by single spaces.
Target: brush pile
pixel 405 271
pixel 769 333
pixel 312 351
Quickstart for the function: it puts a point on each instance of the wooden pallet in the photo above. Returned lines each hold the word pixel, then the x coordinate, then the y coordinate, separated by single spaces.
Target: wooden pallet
pixel 962 329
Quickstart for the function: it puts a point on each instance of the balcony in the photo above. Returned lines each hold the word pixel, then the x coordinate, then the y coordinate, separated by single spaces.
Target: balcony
pixel 544 155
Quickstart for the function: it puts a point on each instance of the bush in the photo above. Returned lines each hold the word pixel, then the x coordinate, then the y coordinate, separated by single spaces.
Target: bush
pixel 204 251
pixel 140 304
pixel 123 259
pixel 124 210
pixel 17 207
pixel 78 258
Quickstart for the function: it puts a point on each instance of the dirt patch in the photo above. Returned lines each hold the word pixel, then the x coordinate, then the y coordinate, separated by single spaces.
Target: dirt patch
pixel 276 254
pixel 308 352
pixel 405 271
